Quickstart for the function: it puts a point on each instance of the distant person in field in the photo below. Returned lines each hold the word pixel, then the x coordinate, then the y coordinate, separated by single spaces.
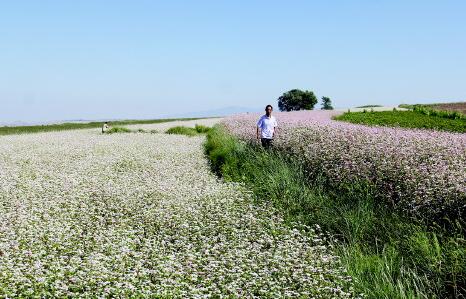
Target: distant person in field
pixel 105 127
pixel 267 127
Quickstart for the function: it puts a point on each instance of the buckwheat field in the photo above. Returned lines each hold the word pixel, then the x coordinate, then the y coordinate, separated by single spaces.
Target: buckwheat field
pixel 140 215
pixel 422 171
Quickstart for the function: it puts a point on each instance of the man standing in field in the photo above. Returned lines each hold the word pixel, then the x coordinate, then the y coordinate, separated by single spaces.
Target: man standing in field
pixel 267 125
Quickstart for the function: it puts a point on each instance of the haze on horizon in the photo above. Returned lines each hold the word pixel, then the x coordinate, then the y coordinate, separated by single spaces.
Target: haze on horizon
pixel 147 59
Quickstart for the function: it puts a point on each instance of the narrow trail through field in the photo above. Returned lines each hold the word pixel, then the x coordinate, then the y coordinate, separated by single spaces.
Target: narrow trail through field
pixel 84 214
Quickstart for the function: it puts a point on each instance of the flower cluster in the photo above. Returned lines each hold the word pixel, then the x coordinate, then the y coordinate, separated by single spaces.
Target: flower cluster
pixel 140 215
pixel 422 171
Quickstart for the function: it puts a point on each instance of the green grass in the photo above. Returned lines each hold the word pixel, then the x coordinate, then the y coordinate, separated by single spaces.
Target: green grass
pixel 388 254
pixel 369 106
pixel 201 129
pixel 7 130
pixel 118 130
pixel 406 119
pixel 182 130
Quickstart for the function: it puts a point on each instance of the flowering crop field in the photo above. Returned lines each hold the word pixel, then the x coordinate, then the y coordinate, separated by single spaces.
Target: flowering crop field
pixel 421 171
pixel 84 214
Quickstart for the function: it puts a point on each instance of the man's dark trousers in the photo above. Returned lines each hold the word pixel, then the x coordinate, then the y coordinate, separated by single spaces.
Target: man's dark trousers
pixel 266 142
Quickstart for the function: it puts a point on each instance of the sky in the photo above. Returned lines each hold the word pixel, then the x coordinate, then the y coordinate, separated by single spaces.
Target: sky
pixel 62 60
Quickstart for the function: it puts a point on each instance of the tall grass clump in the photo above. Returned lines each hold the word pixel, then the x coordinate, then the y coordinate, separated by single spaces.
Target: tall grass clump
pixel 182 130
pixel 201 129
pixel 118 130
pixel 388 253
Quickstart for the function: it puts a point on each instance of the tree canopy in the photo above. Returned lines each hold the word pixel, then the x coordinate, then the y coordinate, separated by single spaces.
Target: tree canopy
pixel 297 99
pixel 326 104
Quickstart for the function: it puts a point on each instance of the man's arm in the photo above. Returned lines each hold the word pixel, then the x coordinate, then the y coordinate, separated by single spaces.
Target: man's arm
pixel 258 125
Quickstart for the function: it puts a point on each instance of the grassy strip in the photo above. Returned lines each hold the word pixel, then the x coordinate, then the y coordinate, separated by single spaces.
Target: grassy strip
pixel 406 119
pixel 6 130
pixel 387 254
pixel 369 106
pixel 114 130
pixel 118 130
pixel 182 130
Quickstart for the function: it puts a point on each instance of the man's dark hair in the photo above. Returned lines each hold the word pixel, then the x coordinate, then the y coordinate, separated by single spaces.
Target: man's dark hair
pixel 268 107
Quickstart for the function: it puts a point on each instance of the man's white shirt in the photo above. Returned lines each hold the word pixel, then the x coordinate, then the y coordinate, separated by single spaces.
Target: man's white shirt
pixel 267 126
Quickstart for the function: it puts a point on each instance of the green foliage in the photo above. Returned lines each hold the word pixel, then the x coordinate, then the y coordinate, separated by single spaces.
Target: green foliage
pixel 118 130
pixel 201 128
pixel 326 104
pixel 406 119
pixel 369 106
pixel 406 106
pixel 431 111
pixel 388 254
pixel 8 130
pixel 181 130
pixel 221 149
pixel 126 130
pixel 297 99
pixel 439 113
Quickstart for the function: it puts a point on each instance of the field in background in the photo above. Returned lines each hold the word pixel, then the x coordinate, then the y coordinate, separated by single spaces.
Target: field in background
pixel 370 108
pixel 405 119
pixel 459 107
pixel 9 130
pixel 163 127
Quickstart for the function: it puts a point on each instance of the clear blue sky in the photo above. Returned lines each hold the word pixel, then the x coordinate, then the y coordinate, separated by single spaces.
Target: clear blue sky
pixel 141 59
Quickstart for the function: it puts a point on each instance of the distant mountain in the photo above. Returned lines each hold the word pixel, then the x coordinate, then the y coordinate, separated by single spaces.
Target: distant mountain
pixel 216 112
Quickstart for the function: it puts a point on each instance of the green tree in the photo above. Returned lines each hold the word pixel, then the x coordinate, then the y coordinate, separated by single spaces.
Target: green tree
pixel 296 99
pixel 326 104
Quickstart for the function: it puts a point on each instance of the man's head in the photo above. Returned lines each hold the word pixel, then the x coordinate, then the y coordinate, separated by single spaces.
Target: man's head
pixel 268 110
